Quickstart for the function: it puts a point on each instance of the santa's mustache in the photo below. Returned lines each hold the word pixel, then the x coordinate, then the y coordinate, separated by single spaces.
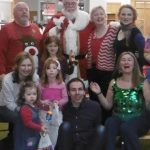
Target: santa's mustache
pixel 70 15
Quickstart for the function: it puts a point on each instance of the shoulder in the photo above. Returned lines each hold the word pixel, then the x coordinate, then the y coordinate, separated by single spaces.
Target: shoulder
pixel 136 32
pixel 112 82
pixel 92 107
pixel 57 17
pixel 83 13
pixel 67 107
pixel 36 78
pixel 8 77
pixel 34 25
pixel 25 109
pixel 8 25
pixel 114 24
pixel 137 35
pixel 62 84
pixel 113 29
pixel 91 104
pixel 146 83
pixel 7 28
pixel 89 28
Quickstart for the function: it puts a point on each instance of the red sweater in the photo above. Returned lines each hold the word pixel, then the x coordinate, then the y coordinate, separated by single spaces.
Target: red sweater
pixel 26 115
pixel 14 39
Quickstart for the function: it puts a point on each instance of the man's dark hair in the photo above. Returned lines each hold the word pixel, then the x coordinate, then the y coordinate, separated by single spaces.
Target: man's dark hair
pixel 75 80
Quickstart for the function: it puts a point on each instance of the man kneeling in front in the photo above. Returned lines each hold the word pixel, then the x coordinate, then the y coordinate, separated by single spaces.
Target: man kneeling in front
pixel 80 129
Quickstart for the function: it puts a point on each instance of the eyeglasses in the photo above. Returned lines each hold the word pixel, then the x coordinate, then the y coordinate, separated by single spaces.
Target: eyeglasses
pixel 70 4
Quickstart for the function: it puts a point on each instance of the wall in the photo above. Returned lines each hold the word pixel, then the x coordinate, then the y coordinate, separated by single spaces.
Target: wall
pixel 34 5
pixel 120 1
pixel 5 10
pixel 94 3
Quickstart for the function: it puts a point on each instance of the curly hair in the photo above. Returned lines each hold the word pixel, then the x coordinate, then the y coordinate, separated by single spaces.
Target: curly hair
pixel 24 86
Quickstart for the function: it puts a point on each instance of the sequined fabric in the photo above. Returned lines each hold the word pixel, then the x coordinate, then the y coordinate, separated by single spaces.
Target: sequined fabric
pixel 128 103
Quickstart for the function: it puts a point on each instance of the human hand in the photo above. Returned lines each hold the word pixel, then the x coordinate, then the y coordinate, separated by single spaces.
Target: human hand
pixel 43 128
pixel 46 102
pixel 71 56
pixel 95 87
pixel 56 102
pixel 2 76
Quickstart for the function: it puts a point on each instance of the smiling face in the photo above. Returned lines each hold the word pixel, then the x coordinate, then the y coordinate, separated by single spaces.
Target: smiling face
pixel 126 16
pixel 70 5
pixel 126 63
pixel 25 68
pixel 21 13
pixel 76 92
pixel 98 16
pixel 30 95
pixel 52 49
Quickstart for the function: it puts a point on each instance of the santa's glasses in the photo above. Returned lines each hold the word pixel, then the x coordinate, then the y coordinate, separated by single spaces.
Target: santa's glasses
pixel 70 4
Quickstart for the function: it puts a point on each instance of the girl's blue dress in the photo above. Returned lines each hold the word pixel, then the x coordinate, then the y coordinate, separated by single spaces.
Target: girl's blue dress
pixel 27 138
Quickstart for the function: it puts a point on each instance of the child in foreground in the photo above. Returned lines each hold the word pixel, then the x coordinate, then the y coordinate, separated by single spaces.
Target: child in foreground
pixel 53 97
pixel 30 126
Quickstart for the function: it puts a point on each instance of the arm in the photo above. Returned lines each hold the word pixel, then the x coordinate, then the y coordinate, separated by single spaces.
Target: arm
pixel 64 99
pixel 4 43
pixel 26 115
pixel 105 102
pixel 9 93
pixel 146 93
pixel 140 43
pixel 49 25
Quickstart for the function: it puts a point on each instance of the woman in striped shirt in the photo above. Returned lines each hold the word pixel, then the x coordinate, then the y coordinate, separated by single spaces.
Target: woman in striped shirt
pixel 100 55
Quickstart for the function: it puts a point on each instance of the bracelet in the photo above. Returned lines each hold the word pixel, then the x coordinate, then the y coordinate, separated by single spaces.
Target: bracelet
pixel 99 93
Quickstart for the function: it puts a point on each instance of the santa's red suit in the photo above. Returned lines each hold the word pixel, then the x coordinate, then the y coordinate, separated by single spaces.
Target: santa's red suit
pixel 15 39
pixel 73 36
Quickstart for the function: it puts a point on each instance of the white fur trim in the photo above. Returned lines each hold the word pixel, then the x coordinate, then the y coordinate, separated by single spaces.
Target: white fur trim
pixel 71 37
pixel 81 21
pixel 114 24
pixel 58 21
pixel 71 33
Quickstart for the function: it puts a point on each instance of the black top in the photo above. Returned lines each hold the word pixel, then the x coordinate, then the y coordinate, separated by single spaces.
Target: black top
pixel 135 45
pixel 84 119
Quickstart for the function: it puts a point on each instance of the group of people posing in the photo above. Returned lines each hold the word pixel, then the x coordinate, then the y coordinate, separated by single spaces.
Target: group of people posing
pixel 75 48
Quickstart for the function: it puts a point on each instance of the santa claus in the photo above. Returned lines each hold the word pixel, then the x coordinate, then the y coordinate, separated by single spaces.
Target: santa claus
pixel 72 26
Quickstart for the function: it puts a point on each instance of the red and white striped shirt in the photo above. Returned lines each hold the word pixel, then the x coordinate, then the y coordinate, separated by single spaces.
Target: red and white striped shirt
pixel 101 51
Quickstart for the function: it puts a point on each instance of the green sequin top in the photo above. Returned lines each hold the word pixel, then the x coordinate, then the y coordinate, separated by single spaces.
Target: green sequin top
pixel 128 103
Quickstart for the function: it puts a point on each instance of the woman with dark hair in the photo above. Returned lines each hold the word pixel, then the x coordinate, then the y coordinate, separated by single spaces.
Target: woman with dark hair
pixel 128 94
pixel 129 37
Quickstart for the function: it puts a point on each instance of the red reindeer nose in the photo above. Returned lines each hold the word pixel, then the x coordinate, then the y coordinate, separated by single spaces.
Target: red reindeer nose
pixel 32 51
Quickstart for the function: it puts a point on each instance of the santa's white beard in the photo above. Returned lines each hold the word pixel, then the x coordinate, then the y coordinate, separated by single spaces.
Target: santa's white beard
pixel 70 15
